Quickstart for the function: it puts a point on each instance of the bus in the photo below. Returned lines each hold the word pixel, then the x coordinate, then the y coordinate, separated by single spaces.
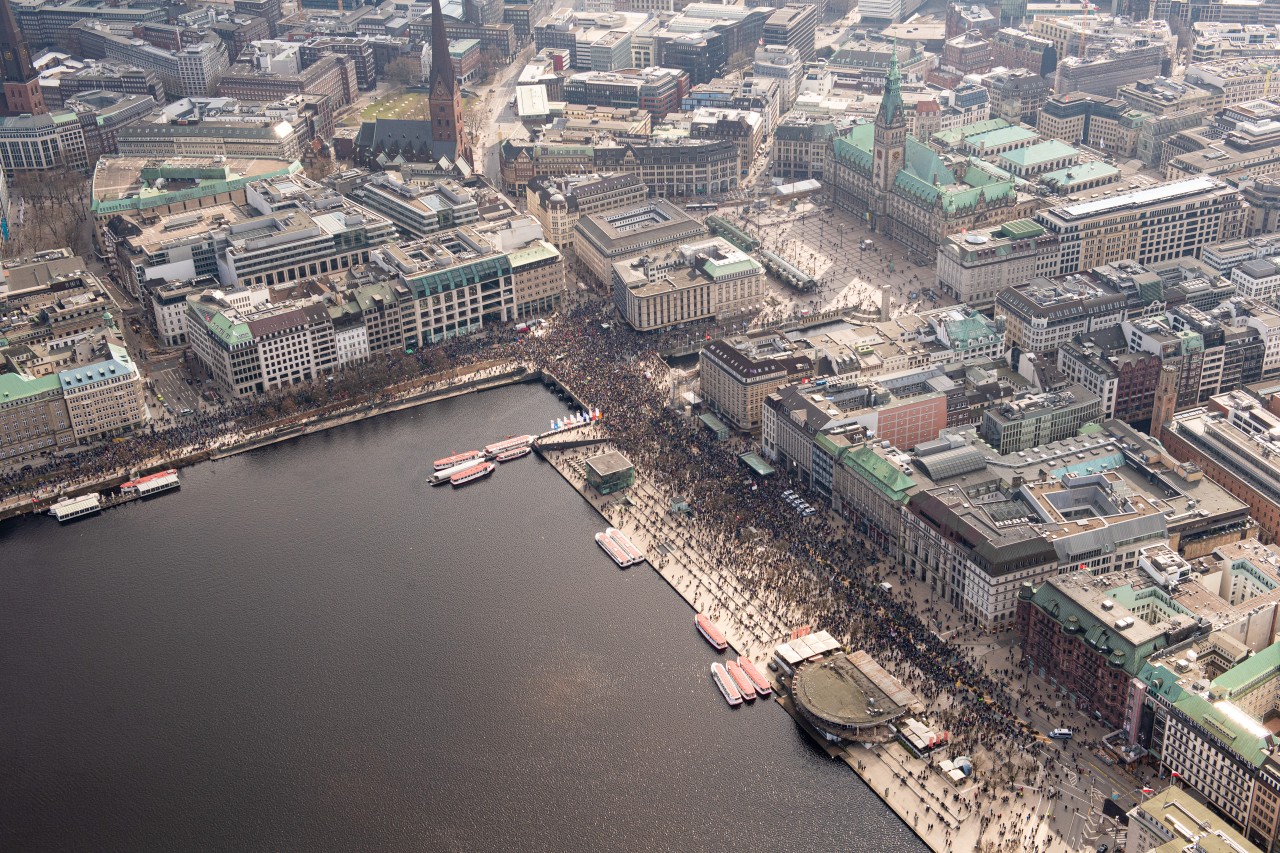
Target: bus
pixel 701 205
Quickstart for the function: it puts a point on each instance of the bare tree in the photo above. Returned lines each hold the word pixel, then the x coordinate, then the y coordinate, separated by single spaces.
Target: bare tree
pixel 405 71
pixel 50 210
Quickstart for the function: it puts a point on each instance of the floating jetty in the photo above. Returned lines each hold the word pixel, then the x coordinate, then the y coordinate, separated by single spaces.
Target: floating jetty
pixel 616 544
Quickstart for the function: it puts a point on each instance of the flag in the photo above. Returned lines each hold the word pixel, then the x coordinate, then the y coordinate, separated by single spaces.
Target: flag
pixel 1148 790
pixel 1175 774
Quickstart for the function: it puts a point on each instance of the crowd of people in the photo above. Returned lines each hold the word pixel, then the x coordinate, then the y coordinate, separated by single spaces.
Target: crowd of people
pixel 812 569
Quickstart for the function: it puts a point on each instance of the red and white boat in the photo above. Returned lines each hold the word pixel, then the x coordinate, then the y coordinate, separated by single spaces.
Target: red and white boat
pixel 470 475
pixel 619 548
pixel 161 481
pixel 458 459
pixel 739 677
pixel 728 689
pixel 508 443
pixel 514 453
pixel 762 685
pixel 710 632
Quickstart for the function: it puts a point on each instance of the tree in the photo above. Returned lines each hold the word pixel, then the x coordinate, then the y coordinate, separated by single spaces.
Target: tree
pixel 49 210
pixel 405 71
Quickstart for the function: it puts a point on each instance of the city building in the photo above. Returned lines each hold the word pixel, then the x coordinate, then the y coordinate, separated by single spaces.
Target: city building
pixel 783 64
pixel 650 229
pixel 1041 418
pixel 558 203
pixel 976 265
pixel 289 229
pixel 1200 712
pixel 262 349
pixel 596 41
pixel 1045 313
pixel 1148 225
pixel 457 282
pixel 736 374
pixel 794 26
pixel 1168 821
pixel 1224 257
pixel 217 127
pixel 22 92
pixel 977 528
pixel 657 91
pixel 1231 441
pixel 679 168
pixel 801 143
pixel 791 418
pixel 1124 381
pixel 905 189
pixel 64 80
pixel 190 71
pixel 697 281
pixel 415 209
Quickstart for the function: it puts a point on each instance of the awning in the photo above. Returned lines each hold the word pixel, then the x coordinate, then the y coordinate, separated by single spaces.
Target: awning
pixel 756 463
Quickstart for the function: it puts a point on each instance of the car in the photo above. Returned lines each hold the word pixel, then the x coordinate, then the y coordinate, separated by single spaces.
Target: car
pixel 186 412
pixel 1061 734
pixel 808 512
pixel 788 492
pixel 1102 848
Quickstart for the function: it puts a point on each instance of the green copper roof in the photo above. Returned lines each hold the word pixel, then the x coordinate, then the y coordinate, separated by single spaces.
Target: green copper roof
pixel 1041 152
pixel 880 473
pixel 891 104
pixel 1002 136
pixel 957 134
pixel 1248 673
pixel 18 386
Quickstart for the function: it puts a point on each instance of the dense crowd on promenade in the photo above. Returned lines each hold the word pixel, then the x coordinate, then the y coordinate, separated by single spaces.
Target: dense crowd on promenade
pixel 809 563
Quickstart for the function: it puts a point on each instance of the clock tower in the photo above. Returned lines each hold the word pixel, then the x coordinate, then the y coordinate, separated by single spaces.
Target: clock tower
pixel 890 141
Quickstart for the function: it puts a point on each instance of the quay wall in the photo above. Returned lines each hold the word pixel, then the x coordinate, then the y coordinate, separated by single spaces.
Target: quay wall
pixel 294 426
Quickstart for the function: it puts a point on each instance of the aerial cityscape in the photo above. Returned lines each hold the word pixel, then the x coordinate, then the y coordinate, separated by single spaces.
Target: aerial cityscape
pixel 373 373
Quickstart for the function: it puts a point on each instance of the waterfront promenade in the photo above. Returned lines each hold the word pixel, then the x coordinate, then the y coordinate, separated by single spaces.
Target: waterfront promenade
pixel 995 810
pixel 759 570
pixel 430 389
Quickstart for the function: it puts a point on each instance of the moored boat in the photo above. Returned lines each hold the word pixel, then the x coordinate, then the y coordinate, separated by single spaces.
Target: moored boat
pixel 470 475
pixel 619 548
pixel 508 443
pixel 762 685
pixel 69 509
pixel 710 632
pixel 458 459
pixel 514 453
pixel 161 481
pixel 727 688
pixel 745 687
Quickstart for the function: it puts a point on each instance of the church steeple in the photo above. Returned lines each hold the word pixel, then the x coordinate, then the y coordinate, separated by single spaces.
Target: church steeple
pixel 21 84
pixel 448 129
pixel 890 138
